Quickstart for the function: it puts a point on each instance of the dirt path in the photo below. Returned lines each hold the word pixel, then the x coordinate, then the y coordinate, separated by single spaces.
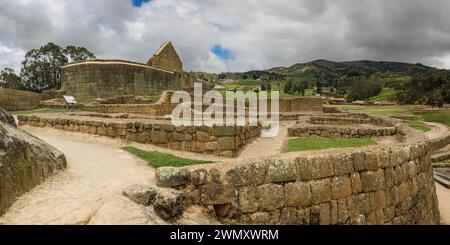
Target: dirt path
pixel 437 130
pixel 265 147
pixel 88 192
pixel 444 201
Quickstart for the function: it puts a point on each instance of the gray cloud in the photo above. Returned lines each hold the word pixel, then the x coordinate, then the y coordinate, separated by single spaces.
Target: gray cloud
pixel 260 33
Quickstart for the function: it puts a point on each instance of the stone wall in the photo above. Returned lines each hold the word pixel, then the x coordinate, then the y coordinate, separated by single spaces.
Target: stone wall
pixel 25 161
pixel 18 100
pixel 327 131
pixel 373 185
pixel 92 79
pixel 223 141
pixel 166 58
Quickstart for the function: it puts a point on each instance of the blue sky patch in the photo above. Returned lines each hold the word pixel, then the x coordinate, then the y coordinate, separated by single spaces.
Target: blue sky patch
pixel 138 3
pixel 222 53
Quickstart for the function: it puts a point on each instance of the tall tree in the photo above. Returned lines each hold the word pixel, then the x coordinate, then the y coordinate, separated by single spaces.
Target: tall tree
pixel 74 54
pixel 41 69
pixel 9 79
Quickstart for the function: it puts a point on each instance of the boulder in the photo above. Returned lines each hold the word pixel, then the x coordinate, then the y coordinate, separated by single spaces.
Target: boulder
pixel 6 118
pixel 25 161
pixel 172 177
pixel 169 204
pixel 144 195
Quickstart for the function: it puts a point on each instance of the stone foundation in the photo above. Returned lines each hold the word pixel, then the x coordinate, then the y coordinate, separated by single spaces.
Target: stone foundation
pixel 349 131
pixel 18 100
pixel 222 141
pixel 373 185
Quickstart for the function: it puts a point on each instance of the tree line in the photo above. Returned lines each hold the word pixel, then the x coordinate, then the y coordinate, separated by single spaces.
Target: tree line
pixel 41 68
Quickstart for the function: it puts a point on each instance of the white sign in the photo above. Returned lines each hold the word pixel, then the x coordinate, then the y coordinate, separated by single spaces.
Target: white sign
pixel 70 99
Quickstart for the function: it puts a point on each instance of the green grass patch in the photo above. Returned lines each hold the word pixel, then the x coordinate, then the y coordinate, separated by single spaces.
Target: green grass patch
pixel 418 125
pixel 435 116
pixel 385 94
pixel 378 110
pixel 39 111
pixel 309 144
pixel 158 159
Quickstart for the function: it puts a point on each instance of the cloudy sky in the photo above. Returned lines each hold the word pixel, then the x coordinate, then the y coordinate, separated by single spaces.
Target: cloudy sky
pixel 232 35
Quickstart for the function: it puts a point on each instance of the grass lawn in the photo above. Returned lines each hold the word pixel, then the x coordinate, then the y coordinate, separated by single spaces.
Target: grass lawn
pixel 39 111
pixel 378 110
pixel 158 159
pixel 385 94
pixel 418 125
pixel 436 116
pixel 309 144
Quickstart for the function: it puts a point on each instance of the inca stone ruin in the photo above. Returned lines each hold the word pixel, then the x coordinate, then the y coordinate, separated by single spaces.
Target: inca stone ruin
pixel 247 179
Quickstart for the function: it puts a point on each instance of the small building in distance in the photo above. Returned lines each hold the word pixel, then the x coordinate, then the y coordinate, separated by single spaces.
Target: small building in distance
pixel 385 103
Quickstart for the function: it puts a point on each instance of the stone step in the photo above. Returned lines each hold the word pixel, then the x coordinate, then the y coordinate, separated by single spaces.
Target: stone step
pixel 442 181
pixel 440 157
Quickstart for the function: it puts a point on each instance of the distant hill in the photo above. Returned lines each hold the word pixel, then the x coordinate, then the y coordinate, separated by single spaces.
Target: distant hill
pixel 352 68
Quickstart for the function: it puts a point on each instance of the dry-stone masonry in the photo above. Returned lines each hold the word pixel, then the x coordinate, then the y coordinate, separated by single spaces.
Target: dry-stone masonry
pixel 391 184
pixel 88 80
pixel 18 100
pixel 223 141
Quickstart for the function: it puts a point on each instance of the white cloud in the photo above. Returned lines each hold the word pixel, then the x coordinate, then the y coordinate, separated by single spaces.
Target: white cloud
pixel 260 33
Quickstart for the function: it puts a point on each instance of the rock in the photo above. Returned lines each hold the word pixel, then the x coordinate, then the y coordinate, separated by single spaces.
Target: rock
pixel 25 161
pixel 172 177
pixel 169 204
pixel 144 195
pixel 6 118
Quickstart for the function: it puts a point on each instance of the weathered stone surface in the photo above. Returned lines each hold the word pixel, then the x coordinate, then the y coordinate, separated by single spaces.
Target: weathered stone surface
pixel 341 187
pixel 271 197
pixel 369 180
pixel 297 194
pixel 202 136
pixel 226 143
pixel 160 137
pixel 321 191
pixel 248 199
pixel 172 177
pixel 144 195
pixel 198 177
pixel 6 118
pixel 356 183
pixel 169 204
pixel 282 170
pixel 25 161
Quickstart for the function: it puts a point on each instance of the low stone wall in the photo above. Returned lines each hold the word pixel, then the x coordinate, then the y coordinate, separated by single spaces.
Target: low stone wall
pixel 326 131
pixel 440 142
pixel 147 109
pixel 223 141
pixel 18 100
pixel 374 185
pixel 338 120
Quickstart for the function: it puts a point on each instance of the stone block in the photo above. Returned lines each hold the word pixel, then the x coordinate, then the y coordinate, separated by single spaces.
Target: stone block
pixel 248 199
pixel 226 143
pixel 341 187
pixel 271 197
pixel 172 177
pixel 321 191
pixel 282 170
pixel 297 194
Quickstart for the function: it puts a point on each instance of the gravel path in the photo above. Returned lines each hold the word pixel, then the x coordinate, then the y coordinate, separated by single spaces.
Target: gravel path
pixel 88 191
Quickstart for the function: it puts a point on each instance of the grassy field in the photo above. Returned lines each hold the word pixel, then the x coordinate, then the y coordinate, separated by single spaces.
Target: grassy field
pixel 309 144
pixel 158 159
pixel 442 116
pixel 378 110
pixel 418 125
pixel 275 87
pixel 385 94
pixel 39 111
pixel 435 116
